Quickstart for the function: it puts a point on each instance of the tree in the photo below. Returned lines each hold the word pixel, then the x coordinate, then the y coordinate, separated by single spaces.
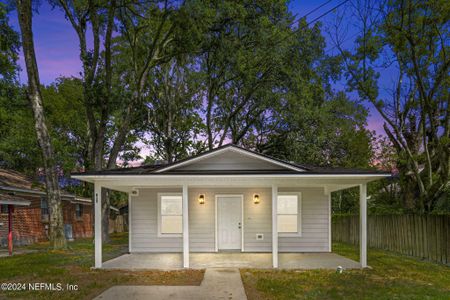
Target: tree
pixel 174 124
pixel 411 38
pixel 240 58
pixel 115 76
pixel 14 107
pixel 57 237
pixel 308 121
pixel 9 48
pixel 19 149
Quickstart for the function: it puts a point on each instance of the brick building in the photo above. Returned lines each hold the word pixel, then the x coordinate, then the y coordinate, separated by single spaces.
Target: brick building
pixel 31 214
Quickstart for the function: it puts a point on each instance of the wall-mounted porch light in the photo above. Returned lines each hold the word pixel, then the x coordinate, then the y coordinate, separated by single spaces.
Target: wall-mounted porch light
pixel 256 198
pixel 201 199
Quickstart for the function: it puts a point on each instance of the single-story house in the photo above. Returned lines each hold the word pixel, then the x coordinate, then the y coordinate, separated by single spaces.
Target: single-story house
pixel 229 199
pixel 30 214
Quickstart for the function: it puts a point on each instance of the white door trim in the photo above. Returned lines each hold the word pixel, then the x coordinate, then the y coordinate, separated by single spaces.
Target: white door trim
pixel 242 219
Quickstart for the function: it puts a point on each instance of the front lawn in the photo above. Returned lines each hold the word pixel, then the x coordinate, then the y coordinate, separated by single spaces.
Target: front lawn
pixel 392 277
pixel 73 267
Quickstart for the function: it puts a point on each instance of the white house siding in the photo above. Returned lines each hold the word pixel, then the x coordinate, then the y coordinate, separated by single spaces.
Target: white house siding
pixel 314 223
pixel 201 221
pixel 144 224
pixel 257 220
pixel 231 161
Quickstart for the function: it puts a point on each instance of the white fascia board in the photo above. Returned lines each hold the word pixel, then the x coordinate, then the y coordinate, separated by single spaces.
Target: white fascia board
pixel 217 152
pixel 306 175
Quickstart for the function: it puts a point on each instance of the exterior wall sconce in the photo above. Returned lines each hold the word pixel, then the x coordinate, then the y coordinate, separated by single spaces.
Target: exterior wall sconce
pixel 256 199
pixel 201 199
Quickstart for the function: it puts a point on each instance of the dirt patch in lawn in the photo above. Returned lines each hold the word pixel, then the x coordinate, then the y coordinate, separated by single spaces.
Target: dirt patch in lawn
pixel 91 283
pixel 71 270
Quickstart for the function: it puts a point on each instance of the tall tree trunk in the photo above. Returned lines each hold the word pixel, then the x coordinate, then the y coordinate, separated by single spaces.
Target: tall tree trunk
pixel 57 237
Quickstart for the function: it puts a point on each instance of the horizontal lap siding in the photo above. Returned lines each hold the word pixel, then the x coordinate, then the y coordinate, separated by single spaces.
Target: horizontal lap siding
pixel 314 223
pixel 257 220
pixel 230 161
pixel 201 221
pixel 144 224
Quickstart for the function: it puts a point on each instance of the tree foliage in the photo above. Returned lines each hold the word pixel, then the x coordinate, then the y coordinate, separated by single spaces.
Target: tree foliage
pixel 412 39
pixel 179 78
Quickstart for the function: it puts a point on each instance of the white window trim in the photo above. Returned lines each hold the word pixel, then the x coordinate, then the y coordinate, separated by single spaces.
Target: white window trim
pixel 167 235
pixel 299 215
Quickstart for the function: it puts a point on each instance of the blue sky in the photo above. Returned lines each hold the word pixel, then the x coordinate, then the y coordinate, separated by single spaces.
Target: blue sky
pixel 58 54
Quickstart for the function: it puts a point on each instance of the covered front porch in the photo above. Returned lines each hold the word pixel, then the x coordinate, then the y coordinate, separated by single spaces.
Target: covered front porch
pixel 174 261
pixel 273 213
pixel 199 260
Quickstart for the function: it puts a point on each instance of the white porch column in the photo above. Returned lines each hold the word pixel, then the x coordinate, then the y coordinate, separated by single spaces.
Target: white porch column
pixel 363 224
pixel 274 226
pixel 98 224
pixel 185 227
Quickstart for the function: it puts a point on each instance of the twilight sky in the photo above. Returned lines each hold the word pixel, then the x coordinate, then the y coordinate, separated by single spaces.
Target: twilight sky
pixel 58 55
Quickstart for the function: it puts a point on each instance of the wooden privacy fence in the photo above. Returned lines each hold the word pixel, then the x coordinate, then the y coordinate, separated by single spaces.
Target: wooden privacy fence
pixel 118 224
pixel 426 237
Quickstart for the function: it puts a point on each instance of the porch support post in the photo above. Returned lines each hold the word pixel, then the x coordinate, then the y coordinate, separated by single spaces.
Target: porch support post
pixel 274 226
pixel 185 227
pixel 98 224
pixel 363 224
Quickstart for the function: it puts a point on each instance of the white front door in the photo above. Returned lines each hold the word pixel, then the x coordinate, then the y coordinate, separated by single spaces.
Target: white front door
pixel 229 222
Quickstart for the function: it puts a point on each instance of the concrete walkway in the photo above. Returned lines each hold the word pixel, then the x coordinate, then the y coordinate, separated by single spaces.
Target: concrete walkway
pixel 217 284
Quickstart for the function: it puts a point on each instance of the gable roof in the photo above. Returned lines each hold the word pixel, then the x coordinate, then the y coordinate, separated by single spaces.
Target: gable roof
pixel 179 167
pixel 229 148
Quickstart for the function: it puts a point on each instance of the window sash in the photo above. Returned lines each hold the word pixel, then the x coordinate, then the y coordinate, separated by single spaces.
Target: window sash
pixel 287 223
pixel 44 207
pixel 78 211
pixel 4 209
pixel 288 213
pixel 170 212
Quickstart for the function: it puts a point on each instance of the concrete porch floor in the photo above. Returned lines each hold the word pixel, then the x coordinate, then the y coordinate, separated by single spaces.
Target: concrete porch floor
pixel 174 261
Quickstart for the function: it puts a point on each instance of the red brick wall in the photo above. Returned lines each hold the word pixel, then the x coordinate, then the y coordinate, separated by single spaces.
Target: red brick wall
pixel 81 227
pixel 28 226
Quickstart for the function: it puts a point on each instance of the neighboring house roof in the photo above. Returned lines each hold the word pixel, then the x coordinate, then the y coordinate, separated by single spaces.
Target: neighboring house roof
pixel 14 200
pixel 18 180
pixel 275 166
pixel 14 184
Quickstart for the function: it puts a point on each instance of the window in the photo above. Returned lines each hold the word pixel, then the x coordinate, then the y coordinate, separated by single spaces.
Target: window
pixel 170 212
pixel 44 208
pixel 288 214
pixel 78 211
pixel 3 208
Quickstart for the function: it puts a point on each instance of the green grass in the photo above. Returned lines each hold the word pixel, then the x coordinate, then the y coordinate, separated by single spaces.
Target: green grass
pixel 391 277
pixel 73 266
